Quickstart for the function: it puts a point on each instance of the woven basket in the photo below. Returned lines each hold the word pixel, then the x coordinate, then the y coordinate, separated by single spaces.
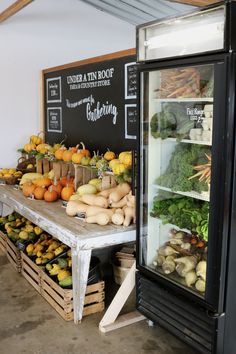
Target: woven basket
pixel 23 162
pixel 9 180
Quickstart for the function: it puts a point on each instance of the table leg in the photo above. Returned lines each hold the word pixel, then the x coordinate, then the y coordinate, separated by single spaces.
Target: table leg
pixel 80 271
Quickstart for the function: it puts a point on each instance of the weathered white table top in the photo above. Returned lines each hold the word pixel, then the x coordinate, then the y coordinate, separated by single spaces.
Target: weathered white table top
pixel 74 232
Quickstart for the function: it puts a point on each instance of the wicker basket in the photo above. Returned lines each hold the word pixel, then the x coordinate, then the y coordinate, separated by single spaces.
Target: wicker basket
pixel 9 180
pixel 23 162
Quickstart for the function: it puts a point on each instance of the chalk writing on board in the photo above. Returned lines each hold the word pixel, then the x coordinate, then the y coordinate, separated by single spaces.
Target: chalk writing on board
pixel 131 121
pixel 54 90
pixel 95 110
pixel 131 81
pixel 54 119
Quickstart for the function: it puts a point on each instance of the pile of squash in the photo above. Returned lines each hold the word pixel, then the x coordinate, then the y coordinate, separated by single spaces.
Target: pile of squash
pixel 40 187
pixel 115 205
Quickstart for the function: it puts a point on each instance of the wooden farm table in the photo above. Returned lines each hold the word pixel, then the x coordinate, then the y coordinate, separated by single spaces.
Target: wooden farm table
pixel 80 236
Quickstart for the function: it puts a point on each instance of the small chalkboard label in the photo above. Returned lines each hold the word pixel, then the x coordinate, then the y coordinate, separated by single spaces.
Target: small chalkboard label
pixel 54 90
pixel 131 118
pixel 131 83
pixel 54 119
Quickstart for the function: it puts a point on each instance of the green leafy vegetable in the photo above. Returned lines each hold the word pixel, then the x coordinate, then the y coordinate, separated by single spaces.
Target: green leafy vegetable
pixel 186 213
pixel 180 168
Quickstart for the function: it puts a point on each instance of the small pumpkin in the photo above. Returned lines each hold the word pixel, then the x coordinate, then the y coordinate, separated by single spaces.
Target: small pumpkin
pixel 118 169
pixel 67 192
pixel 57 187
pixel 67 155
pixel 29 147
pixel 42 182
pixel 84 151
pixel 77 157
pixel 43 148
pixel 109 155
pixel 28 189
pixel 74 149
pixel 125 157
pixel 112 163
pixel 39 193
pixel 59 153
pixel 64 181
pixel 35 139
pixel 85 161
pixel 50 195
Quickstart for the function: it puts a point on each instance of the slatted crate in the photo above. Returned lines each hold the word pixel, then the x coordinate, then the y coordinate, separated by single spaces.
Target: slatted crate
pixel 3 242
pixel 31 272
pixel 62 299
pixel 13 255
pixel 43 165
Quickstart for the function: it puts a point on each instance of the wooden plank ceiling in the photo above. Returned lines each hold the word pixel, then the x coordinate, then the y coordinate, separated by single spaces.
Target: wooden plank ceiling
pixel 14 8
pixel 157 5
pixel 196 2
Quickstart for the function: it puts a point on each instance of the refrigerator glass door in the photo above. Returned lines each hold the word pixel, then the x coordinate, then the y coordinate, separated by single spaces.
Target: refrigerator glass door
pixel 176 155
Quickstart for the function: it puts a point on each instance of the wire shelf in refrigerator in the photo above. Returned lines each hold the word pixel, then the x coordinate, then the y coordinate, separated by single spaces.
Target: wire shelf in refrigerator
pixel 201 196
pixel 193 99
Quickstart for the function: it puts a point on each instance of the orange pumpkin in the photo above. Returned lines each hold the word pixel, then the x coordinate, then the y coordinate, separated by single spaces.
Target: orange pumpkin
pixel 83 151
pixel 42 182
pixel 74 149
pixel 50 195
pixel 59 153
pixel 57 187
pixel 67 155
pixel 67 192
pixel 28 189
pixel 39 193
pixel 64 181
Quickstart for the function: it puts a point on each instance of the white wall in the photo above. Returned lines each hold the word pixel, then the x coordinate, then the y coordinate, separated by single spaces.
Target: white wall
pixel 45 34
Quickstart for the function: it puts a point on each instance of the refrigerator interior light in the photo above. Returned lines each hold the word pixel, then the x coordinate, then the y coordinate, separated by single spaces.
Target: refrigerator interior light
pixel 192 35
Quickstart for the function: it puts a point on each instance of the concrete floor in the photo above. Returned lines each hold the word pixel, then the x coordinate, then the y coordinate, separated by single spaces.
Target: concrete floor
pixel 28 325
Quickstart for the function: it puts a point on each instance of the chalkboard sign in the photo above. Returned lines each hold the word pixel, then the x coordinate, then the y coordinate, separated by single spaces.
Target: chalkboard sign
pixel 54 90
pixel 131 84
pixel 54 119
pixel 131 121
pixel 91 101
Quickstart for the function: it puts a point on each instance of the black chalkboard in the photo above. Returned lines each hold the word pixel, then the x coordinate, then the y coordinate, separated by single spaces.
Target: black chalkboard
pixel 93 103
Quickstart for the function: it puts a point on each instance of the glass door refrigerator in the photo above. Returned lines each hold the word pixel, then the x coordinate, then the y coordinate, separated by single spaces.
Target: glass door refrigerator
pixel 186 224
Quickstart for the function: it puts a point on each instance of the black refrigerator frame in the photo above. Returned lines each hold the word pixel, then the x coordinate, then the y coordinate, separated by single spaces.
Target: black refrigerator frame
pixel 219 304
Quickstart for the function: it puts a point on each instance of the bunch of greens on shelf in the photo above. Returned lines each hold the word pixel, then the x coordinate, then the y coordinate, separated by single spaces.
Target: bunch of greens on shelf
pixel 184 212
pixel 172 121
pixel 181 168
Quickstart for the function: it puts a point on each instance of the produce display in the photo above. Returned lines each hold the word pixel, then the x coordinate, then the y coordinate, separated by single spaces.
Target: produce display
pixel 184 212
pixel 116 205
pixel 10 175
pixel 180 174
pixel 184 259
pixel 186 82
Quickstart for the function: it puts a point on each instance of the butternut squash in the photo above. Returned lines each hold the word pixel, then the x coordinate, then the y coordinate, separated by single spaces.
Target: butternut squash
pixel 106 192
pixel 129 216
pixel 118 217
pixel 74 207
pixel 120 191
pixel 100 219
pixel 94 200
pixel 121 203
pixel 94 210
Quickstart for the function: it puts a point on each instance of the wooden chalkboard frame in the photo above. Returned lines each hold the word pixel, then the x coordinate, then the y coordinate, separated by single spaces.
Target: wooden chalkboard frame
pixel 76 64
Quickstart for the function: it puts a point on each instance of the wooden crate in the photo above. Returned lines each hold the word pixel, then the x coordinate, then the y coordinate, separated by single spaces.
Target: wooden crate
pixel 3 242
pixel 62 169
pixel 43 166
pixel 13 255
pixel 31 272
pixel 83 174
pixel 62 299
